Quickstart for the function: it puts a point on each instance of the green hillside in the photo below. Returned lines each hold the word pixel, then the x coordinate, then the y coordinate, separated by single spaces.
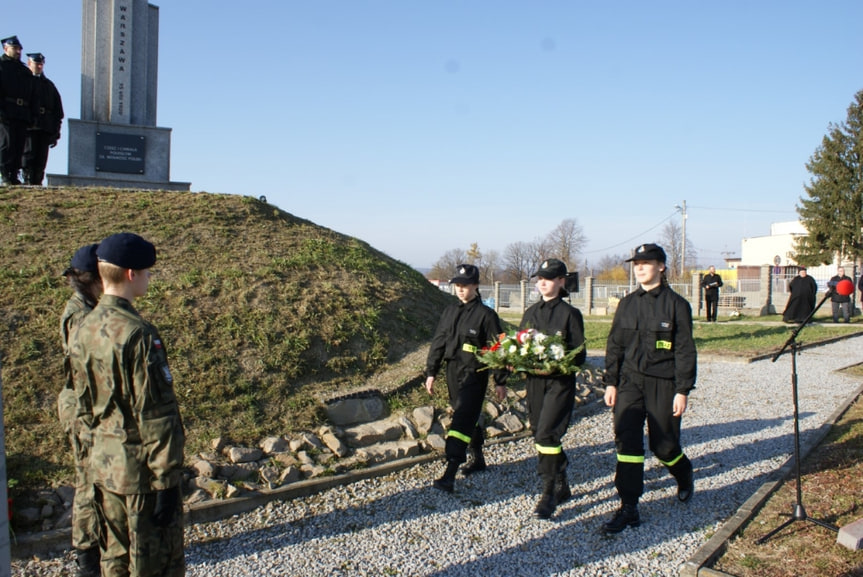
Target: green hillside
pixel 261 311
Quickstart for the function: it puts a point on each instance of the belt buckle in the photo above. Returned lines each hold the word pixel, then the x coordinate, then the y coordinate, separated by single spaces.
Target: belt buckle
pixel 19 101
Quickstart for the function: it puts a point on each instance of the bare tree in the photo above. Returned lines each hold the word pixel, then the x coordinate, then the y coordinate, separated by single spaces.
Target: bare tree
pixel 671 239
pixel 445 265
pixel 612 267
pixel 566 241
pixel 489 268
pixel 517 259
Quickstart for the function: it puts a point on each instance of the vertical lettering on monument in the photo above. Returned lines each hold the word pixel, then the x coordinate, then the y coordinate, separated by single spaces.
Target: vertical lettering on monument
pixel 121 69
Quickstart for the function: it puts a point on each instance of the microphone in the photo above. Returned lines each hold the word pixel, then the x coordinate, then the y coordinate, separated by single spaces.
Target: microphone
pixel 845 287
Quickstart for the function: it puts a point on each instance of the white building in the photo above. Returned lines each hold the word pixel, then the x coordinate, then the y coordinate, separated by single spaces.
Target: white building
pixel 777 249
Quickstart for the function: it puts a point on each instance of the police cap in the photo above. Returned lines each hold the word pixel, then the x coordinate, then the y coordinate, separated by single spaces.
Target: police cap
pixel 127 250
pixel 465 274
pixel 11 41
pixel 648 251
pixel 36 57
pixel 84 260
pixel 551 268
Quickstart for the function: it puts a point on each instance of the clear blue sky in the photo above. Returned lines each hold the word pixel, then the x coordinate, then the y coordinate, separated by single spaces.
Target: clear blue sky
pixel 422 126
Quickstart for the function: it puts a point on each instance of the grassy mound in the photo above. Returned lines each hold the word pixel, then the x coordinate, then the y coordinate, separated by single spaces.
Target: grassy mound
pixel 262 312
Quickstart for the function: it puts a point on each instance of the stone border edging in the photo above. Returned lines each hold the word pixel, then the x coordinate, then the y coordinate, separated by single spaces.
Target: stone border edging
pixel 57 540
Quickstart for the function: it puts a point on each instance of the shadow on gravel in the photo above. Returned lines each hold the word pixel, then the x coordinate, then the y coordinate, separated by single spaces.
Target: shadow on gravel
pixel 591 476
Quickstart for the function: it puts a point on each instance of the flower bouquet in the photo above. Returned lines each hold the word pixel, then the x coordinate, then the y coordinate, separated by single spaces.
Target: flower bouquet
pixel 530 351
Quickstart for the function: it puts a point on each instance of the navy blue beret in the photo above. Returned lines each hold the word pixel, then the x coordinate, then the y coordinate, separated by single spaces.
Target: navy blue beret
pixel 84 260
pixel 127 250
pixel 37 57
pixel 12 41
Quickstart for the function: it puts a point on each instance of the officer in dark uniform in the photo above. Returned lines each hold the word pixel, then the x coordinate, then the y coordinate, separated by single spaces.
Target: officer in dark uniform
pixel 15 109
pixel 44 130
pixel 551 398
pixel 464 328
pixel 650 366
pixel 711 283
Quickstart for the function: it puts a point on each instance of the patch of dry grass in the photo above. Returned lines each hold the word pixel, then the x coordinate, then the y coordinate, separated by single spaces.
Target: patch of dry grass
pixel 832 491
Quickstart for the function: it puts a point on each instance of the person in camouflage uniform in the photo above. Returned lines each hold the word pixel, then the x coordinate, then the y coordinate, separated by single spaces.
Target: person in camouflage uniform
pixel 119 361
pixel 83 277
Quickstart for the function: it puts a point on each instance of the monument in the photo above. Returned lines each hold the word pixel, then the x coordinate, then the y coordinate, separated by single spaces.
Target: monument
pixel 116 142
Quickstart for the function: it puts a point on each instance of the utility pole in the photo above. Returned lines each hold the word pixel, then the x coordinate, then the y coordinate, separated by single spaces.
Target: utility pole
pixel 682 210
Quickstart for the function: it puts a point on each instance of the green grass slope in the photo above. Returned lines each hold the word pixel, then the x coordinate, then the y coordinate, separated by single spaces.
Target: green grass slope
pixel 262 312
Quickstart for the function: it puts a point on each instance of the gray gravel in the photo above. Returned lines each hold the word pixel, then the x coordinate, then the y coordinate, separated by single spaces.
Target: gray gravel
pixel 738 430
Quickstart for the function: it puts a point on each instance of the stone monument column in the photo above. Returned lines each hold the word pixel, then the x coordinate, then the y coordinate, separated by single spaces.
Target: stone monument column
pixel 116 142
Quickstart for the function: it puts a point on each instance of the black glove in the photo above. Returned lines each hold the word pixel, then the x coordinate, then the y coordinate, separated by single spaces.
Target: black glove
pixel 166 505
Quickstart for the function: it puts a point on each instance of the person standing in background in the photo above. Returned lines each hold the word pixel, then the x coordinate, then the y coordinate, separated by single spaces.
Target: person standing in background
pixel 838 301
pixel 801 299
pixel 16 84
pixel 44 130
pixel 711 283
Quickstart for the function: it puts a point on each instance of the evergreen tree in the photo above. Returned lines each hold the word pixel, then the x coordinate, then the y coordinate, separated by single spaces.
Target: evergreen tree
pixel 833 211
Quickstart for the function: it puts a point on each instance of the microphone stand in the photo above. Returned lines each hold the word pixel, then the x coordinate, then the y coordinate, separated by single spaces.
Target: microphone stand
pixel 799 513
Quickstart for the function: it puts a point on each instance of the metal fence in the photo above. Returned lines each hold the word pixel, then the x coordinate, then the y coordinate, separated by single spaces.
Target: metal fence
pixel 597 297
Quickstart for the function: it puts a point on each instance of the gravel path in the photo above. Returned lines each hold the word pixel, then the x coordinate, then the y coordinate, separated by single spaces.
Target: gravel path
pixel 738 430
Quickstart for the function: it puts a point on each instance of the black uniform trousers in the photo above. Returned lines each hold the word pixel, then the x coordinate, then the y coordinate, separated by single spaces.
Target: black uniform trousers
pixel 36 155
pixel 651 399
pixel 711 300
pixel 13 133
pixel 550 401
pixel 466 395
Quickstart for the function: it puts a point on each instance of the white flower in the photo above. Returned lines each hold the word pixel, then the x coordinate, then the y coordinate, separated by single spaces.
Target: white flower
pixel 512 349
pixel 540 351
pixel 539 337
pixel 557 352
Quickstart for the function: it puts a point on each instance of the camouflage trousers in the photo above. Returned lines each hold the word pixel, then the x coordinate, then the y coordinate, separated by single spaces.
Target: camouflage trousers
pixel 132 546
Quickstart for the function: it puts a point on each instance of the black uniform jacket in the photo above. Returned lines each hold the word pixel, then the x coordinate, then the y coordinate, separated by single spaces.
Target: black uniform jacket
pixel 48 108
pixel 464 329
pixel 16 90
pixel 557 315
pixel 652 335
pixel 711 283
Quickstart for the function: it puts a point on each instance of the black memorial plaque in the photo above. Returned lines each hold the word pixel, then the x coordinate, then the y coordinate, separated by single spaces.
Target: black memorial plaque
pixel 120 153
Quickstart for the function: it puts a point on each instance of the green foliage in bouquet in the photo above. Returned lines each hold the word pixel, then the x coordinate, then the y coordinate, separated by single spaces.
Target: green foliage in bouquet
pixel 530 351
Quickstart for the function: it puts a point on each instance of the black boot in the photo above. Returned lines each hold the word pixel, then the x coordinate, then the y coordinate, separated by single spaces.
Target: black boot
pixel 682 472
pixel 447 481
pixel 88 562
pixel 626 516
pixel 562 493
pixel 475 462
pixel 547 503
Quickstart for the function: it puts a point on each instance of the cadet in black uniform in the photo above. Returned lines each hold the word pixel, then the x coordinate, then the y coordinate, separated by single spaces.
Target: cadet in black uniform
pixel 44 130
pixel 15 109
pixel 550 398
pixel 464 328
pixel 650 365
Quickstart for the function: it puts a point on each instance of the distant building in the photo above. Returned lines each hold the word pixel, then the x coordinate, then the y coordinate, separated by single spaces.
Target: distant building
pixel 777 249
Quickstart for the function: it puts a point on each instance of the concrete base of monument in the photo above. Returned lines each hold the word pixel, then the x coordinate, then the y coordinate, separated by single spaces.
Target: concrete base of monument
pixel 115 181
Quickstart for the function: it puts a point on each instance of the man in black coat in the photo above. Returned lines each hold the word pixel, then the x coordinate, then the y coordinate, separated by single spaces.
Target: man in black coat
pixel 711 283
pixel 44 130
pixel 840 302
pixel 801 301
pixel 16 83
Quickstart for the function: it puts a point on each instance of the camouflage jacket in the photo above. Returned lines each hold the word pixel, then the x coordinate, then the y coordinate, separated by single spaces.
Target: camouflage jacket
pixel 76 309
pixel 119 360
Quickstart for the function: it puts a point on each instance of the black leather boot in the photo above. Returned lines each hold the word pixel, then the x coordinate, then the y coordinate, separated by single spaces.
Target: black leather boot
pixel 626 516
pixel 88 562
pixel 447 481
pixel 547 503
pixel 682 472
pixel 475 461
pixel 562 493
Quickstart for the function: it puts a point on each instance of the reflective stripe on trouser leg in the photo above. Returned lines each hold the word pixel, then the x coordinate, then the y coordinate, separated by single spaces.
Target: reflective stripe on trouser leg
pixel 456 447
pixel 680 468
pixel 629 478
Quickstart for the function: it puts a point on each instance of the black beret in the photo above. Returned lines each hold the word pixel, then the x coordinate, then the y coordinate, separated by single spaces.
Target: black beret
pixel 465 274
pixel 127 250
pixel 551 269
pixel 84 260
pixel 648 251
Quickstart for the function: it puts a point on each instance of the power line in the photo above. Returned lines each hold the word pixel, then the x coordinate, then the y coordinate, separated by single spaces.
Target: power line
pixel 743 209
pixel 629 240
